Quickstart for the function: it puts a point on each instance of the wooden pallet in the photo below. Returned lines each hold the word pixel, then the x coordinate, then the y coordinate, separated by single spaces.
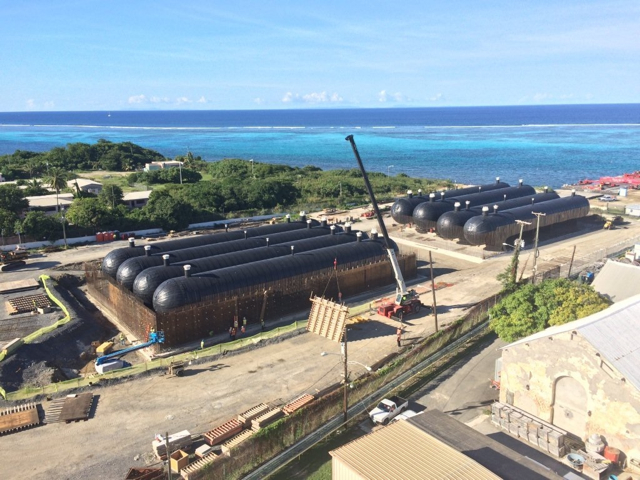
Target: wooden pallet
pixel 298 403
pixel 76 407
pixel 18 418
pixel 266 419
pixel 254 412
pixel 195 467
pixel 235 441
pixel 327 318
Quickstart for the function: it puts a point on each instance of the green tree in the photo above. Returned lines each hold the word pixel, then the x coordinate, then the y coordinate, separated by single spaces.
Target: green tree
pixel 12 199
pixel 111 195
pixel 56 178
pixel 168 212
pixel 90 213
pixel 532 308
pixel 42 226
pixel 35 189
pixel 7 221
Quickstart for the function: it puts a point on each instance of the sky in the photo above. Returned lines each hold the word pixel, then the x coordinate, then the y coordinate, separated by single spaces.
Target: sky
pixel 146 55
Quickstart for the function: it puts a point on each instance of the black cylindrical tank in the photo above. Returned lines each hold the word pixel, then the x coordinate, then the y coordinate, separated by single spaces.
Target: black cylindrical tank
pixel 132 267
pixel 114 259
pixel 495 229
pixel 149 280
pixel 426 215
pixel 178 292
pixel 450 225
pixel 402 208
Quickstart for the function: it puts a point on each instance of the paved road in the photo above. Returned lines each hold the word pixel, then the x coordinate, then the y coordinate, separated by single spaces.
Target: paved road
pixel 463 391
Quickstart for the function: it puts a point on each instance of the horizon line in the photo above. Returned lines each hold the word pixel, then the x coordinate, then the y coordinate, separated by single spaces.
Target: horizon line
pixel 391 107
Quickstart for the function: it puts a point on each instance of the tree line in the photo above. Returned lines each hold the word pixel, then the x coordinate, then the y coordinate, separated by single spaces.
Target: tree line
pixel 199 191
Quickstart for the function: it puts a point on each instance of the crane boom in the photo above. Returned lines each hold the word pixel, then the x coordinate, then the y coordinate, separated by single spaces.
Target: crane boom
pixel 401 288
pixel 154 337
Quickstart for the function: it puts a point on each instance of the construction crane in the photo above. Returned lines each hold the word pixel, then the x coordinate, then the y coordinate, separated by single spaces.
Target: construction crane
pixel 113 361
pixel 406 301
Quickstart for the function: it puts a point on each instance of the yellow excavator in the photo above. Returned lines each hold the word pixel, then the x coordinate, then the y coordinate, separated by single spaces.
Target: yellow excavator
pixel 13 259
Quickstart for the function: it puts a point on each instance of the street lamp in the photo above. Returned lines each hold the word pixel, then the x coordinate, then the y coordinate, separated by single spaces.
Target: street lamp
pixel 350 362
pixel 388 168
pixel 64 228
pixel 251 160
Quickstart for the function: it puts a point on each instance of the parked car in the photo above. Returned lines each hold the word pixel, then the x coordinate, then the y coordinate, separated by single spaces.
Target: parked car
pixel 608 198
pixel 387 409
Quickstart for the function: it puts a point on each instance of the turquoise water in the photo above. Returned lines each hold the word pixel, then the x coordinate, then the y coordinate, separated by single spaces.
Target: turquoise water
pixel 549 145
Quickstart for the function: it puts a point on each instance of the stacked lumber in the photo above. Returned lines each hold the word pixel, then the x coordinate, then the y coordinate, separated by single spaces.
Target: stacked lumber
pixel 195 467
pixel 266 419
pixel 223 432
pixel 521 424
pixel 177 441
pixel 298 403
pixel 235 441
pixel 245 417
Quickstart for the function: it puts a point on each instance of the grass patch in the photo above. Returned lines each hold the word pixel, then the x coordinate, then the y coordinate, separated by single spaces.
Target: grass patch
pixel 315 463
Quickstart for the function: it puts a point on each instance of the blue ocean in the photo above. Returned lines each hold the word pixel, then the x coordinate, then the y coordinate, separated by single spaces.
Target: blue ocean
pixel 544 145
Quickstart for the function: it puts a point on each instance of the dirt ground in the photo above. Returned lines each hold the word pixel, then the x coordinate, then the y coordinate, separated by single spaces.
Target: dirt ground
pixel 129 414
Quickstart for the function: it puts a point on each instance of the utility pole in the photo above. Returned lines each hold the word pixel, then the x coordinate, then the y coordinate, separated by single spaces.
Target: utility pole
pixel 346 374
pixel 433 290
pixel 571 262
pixel 180 167
pixel 516 252
pixel 536 253
pixel 64 228
pixel 166 440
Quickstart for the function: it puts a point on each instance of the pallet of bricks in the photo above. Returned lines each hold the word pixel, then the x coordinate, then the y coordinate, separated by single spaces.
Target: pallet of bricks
pixel 523 425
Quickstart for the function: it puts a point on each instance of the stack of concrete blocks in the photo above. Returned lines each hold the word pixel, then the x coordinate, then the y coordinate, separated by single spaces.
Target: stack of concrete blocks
pixel 235 441
pixel 193 471
pixel 520 424
pixel 266 419
pixel 223 432
pixel 177 441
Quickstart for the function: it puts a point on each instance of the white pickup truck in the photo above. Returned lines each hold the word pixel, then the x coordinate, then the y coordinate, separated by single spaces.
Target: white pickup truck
pixel 387 409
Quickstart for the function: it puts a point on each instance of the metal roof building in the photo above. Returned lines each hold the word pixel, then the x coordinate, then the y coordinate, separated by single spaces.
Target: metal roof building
pixel 618 281
pixel 401 450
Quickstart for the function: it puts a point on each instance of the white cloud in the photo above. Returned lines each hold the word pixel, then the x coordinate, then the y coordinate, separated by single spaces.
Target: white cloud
pixel 260 101
pixel 183 100
pixel 137 99
pixel 385 96
pixel 436 98
pixel 315 97
pixel 202 100
pixel 542 97
pixel 49 104
pixel 159 100
pixel 31 103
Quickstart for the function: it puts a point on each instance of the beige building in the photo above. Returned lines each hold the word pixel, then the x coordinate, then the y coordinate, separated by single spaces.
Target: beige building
pixel 86 185
pixel 136 199
pixel 49 203
pixel 583 377
pixel 150 167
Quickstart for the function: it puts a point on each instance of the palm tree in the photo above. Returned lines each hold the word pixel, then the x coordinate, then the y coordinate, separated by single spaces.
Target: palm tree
pixel 56 178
